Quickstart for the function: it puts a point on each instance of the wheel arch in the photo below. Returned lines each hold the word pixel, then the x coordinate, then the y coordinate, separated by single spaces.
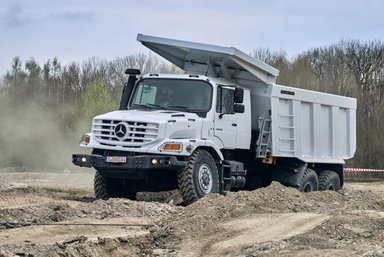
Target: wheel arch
pixel 216 155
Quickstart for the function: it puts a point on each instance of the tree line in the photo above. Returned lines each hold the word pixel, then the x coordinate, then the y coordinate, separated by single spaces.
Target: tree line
pixel 64 98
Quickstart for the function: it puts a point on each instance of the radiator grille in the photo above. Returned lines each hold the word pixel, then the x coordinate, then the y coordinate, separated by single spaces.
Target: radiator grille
pixel 124 133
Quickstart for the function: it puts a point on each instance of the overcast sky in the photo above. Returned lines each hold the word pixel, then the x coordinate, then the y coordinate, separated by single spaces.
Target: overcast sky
pixel 74 30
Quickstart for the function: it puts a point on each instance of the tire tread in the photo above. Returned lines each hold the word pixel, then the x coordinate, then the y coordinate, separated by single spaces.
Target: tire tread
pixel 307 175
pixel 100 186
pixel 185 179
pixel 325 177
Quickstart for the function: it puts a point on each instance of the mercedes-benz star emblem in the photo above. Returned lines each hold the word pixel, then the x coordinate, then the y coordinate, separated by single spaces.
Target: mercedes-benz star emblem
pixel 120 130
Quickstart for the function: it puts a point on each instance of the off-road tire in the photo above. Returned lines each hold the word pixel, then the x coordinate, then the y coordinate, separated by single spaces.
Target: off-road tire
pixel 190 186
pixel 309 182
pixel 329 180
pixel 100 186
pixel 106 188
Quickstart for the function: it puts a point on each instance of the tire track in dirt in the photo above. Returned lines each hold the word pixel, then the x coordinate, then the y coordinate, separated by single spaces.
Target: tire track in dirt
pixel 29 200
pixel 269 227
pixel 59 233
pixel 242 233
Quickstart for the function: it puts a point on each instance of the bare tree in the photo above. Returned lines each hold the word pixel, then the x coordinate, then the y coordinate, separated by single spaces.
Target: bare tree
pixel 278 60
pixel 34 80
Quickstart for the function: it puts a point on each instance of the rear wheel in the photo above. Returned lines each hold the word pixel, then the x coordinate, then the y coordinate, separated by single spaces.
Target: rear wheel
pixel 199 178
pixel 309 182
pixel 329 180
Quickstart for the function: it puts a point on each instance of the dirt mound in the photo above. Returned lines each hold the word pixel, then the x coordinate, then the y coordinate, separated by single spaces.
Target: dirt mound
pixel 271 221
pixel 33 205
pixel 40 222
pixel 201 219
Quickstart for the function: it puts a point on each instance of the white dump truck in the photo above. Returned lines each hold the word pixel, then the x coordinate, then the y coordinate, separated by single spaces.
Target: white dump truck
pixel 222 125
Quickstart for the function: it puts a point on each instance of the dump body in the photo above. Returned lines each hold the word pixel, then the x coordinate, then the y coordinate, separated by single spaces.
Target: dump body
pixel 312 126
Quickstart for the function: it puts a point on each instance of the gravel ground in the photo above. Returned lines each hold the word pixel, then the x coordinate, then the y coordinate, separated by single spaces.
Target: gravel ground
pixel 40 218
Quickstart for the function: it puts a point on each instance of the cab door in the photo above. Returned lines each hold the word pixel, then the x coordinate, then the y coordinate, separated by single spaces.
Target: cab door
pixel 225 117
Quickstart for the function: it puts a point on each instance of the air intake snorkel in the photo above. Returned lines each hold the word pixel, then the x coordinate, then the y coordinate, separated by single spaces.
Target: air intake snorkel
pixel 128 87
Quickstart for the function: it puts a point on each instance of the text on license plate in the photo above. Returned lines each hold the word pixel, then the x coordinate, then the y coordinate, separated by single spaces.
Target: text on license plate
pixel 116 159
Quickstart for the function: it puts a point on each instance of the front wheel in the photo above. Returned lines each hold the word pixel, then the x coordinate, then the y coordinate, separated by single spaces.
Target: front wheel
pixel 100 186
pixel 199 178
pixel 106 188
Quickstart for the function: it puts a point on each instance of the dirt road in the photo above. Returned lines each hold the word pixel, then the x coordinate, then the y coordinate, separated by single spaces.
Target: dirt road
pixel 55 214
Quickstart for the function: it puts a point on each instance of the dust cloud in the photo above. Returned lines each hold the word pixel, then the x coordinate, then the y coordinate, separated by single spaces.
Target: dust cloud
pixel 31 138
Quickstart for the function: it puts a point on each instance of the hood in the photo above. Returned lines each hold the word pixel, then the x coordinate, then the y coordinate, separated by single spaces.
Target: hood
pixel 157 116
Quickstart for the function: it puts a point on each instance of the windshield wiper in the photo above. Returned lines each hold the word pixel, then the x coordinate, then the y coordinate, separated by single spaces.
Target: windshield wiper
pixel 149 106
pixel 141 106
pixel 156 106
pixel 185 108
pixel 178 106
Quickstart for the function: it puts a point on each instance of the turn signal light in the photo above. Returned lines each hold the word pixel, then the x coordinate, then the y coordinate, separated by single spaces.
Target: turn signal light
pixel 171 147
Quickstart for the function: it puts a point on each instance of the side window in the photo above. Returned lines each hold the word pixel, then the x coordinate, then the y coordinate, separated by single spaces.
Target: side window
pixel 225 100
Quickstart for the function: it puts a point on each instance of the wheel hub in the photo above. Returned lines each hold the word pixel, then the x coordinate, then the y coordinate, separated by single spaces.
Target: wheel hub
pixel 205 178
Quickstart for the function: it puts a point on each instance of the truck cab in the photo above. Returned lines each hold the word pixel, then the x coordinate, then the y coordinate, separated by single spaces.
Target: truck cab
pixel 165 120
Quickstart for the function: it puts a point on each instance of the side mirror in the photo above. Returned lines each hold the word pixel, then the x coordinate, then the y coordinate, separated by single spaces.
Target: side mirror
pixel 239 95
pixel 239 108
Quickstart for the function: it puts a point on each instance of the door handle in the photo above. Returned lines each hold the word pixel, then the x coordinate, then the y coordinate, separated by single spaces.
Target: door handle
pixel 234 124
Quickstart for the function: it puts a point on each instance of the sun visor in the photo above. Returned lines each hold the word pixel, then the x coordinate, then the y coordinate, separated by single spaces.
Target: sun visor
pixel 211 60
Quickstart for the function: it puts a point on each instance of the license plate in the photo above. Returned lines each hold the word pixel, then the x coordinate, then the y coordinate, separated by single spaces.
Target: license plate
pixel 116 159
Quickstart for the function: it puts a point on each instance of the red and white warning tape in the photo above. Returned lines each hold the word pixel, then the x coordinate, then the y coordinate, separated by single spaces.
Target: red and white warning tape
pixel 361 170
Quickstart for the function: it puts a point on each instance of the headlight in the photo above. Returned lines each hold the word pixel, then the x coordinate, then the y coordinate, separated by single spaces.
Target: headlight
pixel 171 147
pixel 85 139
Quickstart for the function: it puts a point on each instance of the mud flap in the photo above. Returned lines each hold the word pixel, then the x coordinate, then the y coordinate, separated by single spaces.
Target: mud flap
pixel 231 175
pixel 224 179
pixel 289 175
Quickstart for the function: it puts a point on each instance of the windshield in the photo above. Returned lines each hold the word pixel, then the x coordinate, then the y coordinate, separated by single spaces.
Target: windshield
pixel 172 94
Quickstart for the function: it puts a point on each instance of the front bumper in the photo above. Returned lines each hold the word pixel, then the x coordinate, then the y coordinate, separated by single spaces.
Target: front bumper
pixel 133 163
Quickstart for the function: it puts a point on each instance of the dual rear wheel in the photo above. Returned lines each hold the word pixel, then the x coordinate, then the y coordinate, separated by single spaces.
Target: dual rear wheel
pixel 324 180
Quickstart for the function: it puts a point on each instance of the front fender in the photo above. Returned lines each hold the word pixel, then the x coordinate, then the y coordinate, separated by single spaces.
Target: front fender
pixel 188 147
